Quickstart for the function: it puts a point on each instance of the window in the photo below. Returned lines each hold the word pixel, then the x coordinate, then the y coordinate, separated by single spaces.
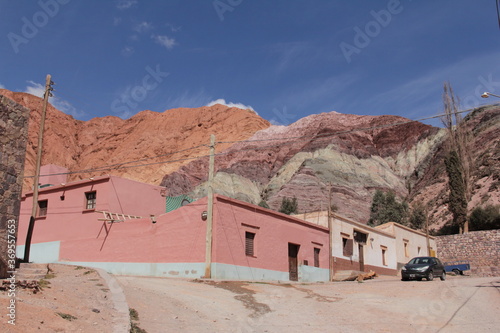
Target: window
pixel 347 245
pixel 418 250
pixel 90 199
pixel 407 250
pixel 249 243
pixel 42 207
pixel 384 255
pixel 316 257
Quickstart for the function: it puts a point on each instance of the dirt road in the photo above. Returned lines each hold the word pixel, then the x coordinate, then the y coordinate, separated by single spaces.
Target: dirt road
pixel 386 304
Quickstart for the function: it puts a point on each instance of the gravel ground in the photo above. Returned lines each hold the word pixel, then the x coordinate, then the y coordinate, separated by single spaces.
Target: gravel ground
pixel 385 304
pixel 73 299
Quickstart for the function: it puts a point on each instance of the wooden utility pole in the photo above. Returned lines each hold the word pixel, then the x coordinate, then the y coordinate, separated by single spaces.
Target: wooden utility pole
pixel 330 232
pixel 208 250
pixel 427 231
pixel 27 246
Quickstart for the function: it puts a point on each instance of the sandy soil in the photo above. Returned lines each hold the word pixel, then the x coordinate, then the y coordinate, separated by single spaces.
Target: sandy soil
pixel 386 304
pixel 70 291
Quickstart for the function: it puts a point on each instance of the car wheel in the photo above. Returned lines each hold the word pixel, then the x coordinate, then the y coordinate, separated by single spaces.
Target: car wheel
pixel 430 276
pixel 443 276
pixel 404 279
pixel 456 271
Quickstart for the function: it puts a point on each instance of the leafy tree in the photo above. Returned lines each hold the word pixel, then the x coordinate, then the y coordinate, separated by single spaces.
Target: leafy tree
pixel 418 216
pixel 385 208
pixel 458 160
pixel 263 204
pixel 485 218
pixel 457 200
pixel 289 206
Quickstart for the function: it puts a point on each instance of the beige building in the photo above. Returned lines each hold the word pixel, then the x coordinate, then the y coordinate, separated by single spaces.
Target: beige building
pixel 383 249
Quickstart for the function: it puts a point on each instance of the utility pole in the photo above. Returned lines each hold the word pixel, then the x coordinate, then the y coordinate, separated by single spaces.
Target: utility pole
pixel 27 246
pixel 330 232
pixel 427 231
pixel 208 250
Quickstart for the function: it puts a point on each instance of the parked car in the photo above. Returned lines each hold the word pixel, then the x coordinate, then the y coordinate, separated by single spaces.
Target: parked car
pixel 458 267
pixel 423 267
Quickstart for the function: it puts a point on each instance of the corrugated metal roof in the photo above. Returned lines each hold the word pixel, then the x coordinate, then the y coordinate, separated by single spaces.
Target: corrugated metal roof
pixel 175 202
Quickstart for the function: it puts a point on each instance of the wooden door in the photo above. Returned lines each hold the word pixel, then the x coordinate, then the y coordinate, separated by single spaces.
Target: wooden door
pixel 361 257
pixel 293 251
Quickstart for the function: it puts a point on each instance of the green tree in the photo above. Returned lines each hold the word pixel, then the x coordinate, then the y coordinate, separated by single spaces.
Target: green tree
pixel 263 204
pixel 385 208
pixel 289 206
pixel 457 200
pixel 418 216
pixel 487 218
pixel 458 160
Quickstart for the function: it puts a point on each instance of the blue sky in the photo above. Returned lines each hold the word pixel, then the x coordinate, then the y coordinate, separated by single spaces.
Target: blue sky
pixel 285 59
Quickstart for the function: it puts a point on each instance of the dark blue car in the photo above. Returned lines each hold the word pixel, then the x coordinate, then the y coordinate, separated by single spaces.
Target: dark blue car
pixel 423 267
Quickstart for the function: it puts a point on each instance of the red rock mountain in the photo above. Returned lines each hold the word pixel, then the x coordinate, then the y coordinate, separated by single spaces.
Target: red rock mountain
pixel 355 154
pixel 174 135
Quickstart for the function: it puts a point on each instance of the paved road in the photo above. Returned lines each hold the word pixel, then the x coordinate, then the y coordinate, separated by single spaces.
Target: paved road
pixel 386 304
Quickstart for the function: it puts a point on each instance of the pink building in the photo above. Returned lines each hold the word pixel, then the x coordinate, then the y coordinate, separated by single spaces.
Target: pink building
pixel 249 242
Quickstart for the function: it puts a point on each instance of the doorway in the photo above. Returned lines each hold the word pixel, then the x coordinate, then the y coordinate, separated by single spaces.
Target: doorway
pixel 293 267
pixel 361 257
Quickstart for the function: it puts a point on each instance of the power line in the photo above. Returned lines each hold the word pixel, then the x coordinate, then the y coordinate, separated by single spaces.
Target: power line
pixel 120 166
pixel 347 131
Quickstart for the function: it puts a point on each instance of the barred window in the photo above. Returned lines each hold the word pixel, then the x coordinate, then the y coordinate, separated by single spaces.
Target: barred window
pixel 90 200
pixel 316 257
pixel 42 207
pixel 249 243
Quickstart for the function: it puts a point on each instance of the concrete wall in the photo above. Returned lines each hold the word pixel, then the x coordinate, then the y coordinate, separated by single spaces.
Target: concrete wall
pixel 481 248
pixel 52 174
pixel 174 246
pixel 13 136
pixel 273 231
pixel 409 243
pixel 67 216
pixel 372 250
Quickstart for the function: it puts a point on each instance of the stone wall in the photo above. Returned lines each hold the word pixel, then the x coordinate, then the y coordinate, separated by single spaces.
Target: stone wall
pixel 13 136
pixel 481 248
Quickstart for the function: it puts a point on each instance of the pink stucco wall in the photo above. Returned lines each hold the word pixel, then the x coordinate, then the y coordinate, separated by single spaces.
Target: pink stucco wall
pixel 178 236
pixel 67 217
pixel 57 174
pixel 273 233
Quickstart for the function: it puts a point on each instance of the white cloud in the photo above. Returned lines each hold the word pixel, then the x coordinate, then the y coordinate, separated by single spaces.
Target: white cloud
pixel 230 104
pixel 127 51
pixel 35 89
pixel 38 90
pixel 2 86
pixel 164 41
pixel 125 4
pixel 143 27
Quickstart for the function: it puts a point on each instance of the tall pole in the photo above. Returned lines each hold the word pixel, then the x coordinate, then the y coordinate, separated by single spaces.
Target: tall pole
pixel 208 241
pixel 427 231
pixel 27 246
pixel 330 232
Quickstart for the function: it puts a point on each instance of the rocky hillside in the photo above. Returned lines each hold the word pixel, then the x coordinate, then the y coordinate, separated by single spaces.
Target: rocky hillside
pixel 255 161
pixel 430 179
pixel 355 154
pixel 148 136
